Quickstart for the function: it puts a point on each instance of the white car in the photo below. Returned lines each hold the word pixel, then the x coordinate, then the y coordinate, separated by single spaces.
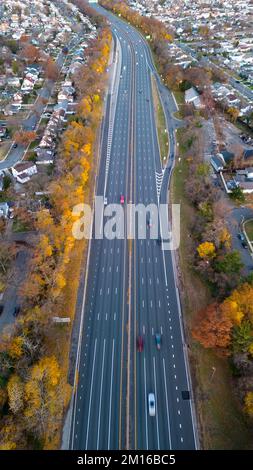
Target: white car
pixel 151 404
pixel 105 201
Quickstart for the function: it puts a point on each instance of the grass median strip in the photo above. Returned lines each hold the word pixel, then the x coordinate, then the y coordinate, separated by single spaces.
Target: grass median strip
pixel 160 123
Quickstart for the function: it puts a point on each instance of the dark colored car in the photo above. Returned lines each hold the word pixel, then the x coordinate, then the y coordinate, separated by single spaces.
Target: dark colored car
pixel 15 145
pixel 243 240
pixel 16 311
pixel 241 237
pixel 1 309
pixel 140 344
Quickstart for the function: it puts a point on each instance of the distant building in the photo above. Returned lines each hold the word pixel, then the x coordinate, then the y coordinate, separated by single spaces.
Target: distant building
pixel 4 209
pixel 23 171
pixel 192 97
pixel 217 163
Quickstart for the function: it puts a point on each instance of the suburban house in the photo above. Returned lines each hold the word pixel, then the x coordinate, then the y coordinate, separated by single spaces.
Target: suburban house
pixel 3 131
pixel 23 171
pixel 18 97
pixel 244 180
pixel 4 209
pixel 226 156
pixel 248 154
pixel 14 82
pixel 44 156
pixel 217 163
pixel 192 97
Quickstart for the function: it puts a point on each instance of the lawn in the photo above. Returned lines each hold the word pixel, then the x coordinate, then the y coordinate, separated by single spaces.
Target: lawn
pixel 222 425
pixel 179 96
pixel 19 226
pixel 161 124
pixel 249 229
pixel 4 148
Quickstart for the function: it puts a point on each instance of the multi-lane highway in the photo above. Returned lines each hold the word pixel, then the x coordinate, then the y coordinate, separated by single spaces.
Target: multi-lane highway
pixel 131 287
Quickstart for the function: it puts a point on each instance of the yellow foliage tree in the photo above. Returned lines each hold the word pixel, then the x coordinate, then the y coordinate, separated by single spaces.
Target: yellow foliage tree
pixel 225 238
pixel 243 296
pixel 206 250
pixel 15 390
pixel 248 403
pixel 231 309
pixel 16 347
pixel 250 349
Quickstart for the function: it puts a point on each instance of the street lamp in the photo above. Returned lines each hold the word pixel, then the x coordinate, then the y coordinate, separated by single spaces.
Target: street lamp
pixel 213 372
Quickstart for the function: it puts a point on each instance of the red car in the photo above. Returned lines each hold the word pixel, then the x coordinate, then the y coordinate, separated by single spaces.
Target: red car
pixel 122 199
pixel 140 344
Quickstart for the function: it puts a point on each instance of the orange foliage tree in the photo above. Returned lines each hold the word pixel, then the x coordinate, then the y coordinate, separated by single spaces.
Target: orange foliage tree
pixel 212 328
pixel 24 137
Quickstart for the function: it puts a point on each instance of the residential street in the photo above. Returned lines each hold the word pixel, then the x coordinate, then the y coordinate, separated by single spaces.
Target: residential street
pixel 15 155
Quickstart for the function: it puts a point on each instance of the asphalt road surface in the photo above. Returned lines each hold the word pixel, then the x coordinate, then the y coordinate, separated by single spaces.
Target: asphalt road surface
pixel 131 286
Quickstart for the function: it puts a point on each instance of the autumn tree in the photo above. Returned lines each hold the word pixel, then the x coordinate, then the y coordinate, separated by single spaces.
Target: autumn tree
pixel 30 53
pixel 24 137
pixel 248 402
pixel 42 396
pixel 206 250
pixel 52 70
pixel 233 113
pixel 15 389
pixel 213 328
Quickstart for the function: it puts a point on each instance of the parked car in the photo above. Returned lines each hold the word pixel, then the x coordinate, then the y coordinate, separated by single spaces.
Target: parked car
pixel 122 199
pixel 1 309
pixel 16 311
pixel 243 240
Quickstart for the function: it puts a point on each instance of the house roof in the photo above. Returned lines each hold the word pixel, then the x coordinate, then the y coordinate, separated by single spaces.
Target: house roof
pixel 228 156
pixel 217 163
pixel 191 94
pixel 4 209
pixel 248 153
pixel 20 167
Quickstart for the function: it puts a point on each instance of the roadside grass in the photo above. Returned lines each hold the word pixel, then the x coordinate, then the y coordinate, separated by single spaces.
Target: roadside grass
pixel 249 229
pixel 222 425
pixel 4 148
pixel 179 97
pixel 160 124
pixel 19 226
pixel 34 144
